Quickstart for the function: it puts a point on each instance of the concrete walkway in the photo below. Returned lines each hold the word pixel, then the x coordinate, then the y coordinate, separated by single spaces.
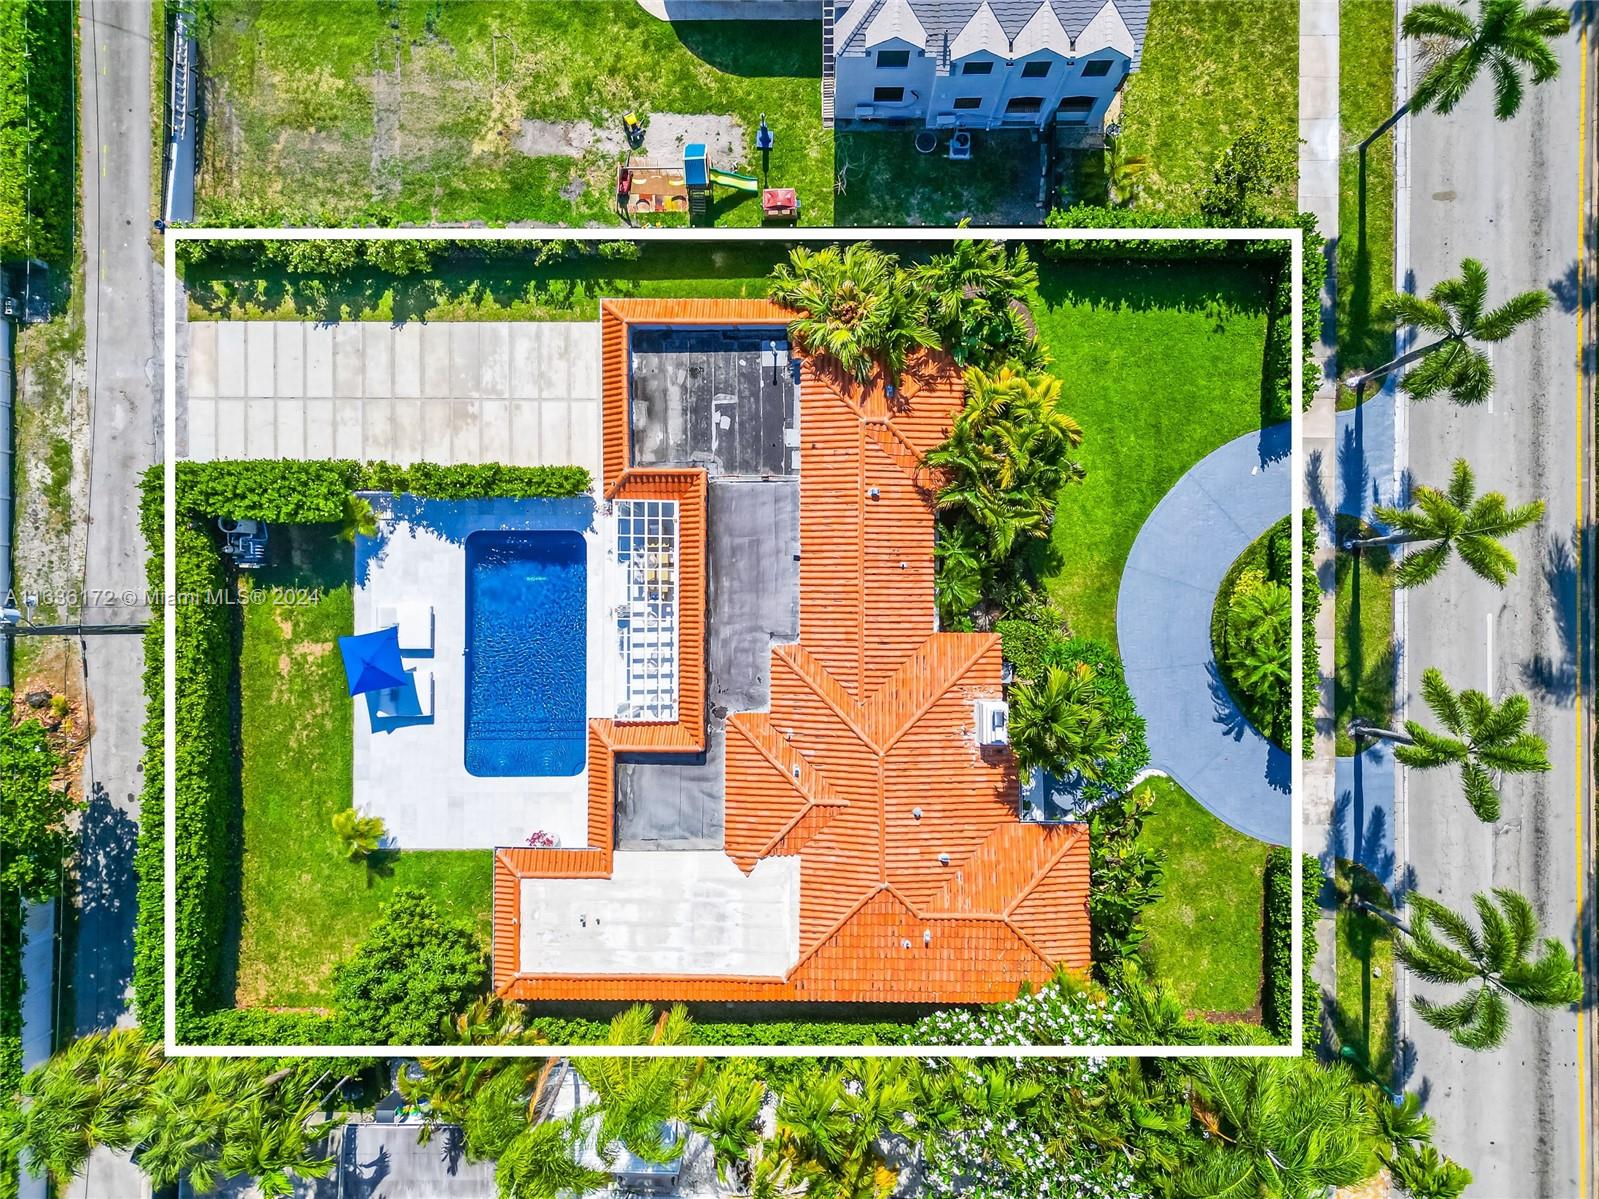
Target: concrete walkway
pixel 1197 734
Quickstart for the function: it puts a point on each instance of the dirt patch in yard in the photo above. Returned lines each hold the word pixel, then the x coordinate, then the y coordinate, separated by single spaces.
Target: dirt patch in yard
pixel 669 132
pixel 569 139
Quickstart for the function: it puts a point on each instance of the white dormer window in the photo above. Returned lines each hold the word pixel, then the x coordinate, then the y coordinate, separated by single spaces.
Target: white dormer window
pixel 1096 68
pixel 1037 69
pixel 982 66
pixel 893 60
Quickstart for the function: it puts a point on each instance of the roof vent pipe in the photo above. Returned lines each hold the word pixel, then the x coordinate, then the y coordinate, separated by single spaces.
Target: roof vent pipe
pixel 873 493
pixel 943 859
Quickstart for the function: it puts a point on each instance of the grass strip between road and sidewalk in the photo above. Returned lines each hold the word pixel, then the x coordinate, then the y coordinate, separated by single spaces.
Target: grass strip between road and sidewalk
pixel 1366 657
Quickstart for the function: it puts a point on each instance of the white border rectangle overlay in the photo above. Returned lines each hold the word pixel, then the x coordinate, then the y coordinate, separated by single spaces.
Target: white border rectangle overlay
pixel 1294 236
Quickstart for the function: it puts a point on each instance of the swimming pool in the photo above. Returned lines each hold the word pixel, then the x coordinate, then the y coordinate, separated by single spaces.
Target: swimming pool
pixel 526 649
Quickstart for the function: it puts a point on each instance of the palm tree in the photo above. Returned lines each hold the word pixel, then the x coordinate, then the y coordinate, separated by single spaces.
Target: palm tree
pixel 973 294
pixel 1421 1172
pixel 777 1177
pixel 360 835
pixel 492 1099
pixel 1457 519
pixel 958 581
pixel 1507 38
pixel 1453 313
pixel 729 1120
pixel 1259 643
pixel 856 307
pixel 832 1124
pixel 91 1093
pixel 1008 454
pixel 1278 1127
pixel 1486 739
pixel 1440 946
pixel 359 519
pixel 1061 723
pixel 640 1098
pixel 542 1162
pixel 1121 172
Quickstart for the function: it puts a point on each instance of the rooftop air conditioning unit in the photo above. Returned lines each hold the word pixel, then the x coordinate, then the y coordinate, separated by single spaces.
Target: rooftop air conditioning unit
pixel 993 722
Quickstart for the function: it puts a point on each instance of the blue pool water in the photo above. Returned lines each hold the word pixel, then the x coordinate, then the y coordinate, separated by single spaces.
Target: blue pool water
pixel 526 646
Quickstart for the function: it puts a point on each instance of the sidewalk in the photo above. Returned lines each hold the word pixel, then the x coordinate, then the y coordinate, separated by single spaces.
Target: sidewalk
pixel 1318 194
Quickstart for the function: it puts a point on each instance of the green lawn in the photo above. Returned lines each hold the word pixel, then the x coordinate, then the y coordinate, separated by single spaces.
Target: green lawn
pixel 1161 364
pixel 1363 672
pixel 889 182
pixel 1365 207
pixel 1210 71
pixel 465 285
pixel 1364 1017
pixel 1206 933
pixel 417 107
pixel 304 906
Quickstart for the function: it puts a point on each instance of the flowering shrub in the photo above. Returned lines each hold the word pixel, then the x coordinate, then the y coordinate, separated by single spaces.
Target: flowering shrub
pixel 1012 1160
pixel 1062 1013
pixel 539 839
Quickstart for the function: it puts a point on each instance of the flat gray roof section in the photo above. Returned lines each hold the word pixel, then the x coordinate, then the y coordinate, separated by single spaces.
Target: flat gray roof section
pixel 671 801
pixel 723 399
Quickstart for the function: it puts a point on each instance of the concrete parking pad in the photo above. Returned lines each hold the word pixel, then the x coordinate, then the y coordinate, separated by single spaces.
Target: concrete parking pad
pixel 525 393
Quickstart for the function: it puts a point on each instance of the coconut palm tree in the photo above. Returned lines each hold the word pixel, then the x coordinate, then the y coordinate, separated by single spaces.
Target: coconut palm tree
pixel 1008 454
pixel 639 1098
pixel 1485 740
pixel 361 836
pixel 1440 946
pixel 1507 37
pixel 1456 519
pixel 1453 313
pixel 1279 1127
pixel 1061 723
pixel 1421 1172
pixel 855 307
pixel 729 1120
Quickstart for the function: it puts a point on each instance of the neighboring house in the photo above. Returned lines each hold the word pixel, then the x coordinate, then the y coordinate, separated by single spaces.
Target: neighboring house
pixel 979 64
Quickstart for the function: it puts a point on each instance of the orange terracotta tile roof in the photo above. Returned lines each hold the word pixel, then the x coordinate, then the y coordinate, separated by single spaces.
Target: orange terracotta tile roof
pixel 917 881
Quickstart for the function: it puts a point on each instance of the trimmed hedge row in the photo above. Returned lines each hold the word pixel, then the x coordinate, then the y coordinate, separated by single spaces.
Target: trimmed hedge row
pixel 315 492
pixel 1279 331
pixel 206 750
pixel 1310 653
pixel 1279 1002
pixel 37 148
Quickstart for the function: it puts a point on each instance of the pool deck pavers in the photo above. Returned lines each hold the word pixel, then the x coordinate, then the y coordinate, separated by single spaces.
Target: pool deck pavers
pixel 525 393
pixel 413 773
pixel 1197 733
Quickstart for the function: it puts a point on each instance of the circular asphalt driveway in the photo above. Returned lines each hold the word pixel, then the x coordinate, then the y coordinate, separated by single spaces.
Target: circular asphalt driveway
pixel 1197 733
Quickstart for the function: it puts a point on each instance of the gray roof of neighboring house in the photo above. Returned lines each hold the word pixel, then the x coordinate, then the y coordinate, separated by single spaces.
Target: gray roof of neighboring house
pixel 944 19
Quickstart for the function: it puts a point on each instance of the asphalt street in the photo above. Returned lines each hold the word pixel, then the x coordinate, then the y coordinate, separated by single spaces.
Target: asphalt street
pixel 123 365
pixel 1508 193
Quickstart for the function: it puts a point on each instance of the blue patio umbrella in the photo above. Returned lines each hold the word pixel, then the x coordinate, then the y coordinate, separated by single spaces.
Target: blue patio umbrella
pixel 372 660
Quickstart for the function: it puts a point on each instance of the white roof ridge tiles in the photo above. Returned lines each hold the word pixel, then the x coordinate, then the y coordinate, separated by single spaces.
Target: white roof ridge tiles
pixel 982 32
pixel 1089 25
pixel 1043 31
pixel 896 21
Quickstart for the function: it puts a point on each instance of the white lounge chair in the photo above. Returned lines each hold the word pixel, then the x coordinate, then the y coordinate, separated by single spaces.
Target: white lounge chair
pixel 415 624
